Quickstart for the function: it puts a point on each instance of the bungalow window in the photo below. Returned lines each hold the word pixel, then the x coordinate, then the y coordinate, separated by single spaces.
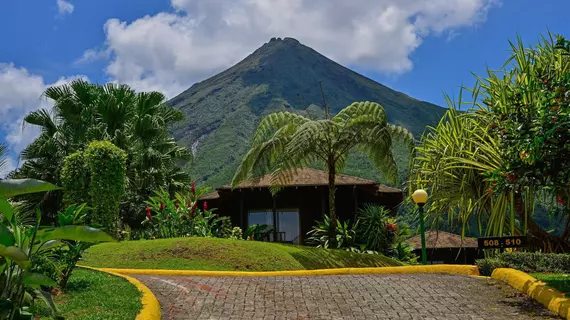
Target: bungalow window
pixel 287 227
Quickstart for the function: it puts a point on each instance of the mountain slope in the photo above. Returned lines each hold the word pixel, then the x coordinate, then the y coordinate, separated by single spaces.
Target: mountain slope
pixel 223 111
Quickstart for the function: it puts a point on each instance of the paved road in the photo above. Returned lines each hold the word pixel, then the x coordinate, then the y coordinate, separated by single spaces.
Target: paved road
pixel 423 296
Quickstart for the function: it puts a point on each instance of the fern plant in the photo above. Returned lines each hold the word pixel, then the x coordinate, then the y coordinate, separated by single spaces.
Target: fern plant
pixel 285 141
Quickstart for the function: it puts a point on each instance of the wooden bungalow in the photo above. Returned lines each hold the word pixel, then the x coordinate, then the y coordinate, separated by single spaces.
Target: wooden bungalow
pixel 448 248
pixel 304 199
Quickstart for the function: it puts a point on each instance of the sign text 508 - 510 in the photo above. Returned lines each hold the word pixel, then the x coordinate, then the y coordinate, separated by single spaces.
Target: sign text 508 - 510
pixel 502 242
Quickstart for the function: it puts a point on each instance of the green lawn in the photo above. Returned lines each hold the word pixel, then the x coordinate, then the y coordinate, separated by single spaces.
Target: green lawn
pixel 559 281
pixel 93 295
pixel 224 255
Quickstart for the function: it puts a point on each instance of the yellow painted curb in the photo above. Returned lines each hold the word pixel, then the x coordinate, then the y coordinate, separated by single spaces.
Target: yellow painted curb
pixel 551 298
pixel 150 306
pixel 467 270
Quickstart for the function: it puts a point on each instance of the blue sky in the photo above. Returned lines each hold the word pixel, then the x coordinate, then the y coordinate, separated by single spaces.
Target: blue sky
pixel 420 47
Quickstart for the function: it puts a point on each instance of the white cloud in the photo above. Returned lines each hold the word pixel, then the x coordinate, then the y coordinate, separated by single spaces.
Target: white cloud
pixel 170 51
pixel 93 55
pixel 65 7
pixel 21 93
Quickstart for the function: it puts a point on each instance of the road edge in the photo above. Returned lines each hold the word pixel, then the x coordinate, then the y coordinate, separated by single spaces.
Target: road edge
pixel 551 298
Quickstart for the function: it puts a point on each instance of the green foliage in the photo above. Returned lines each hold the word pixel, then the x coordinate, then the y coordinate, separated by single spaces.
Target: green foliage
pixel 345 235
pixel 487 265
pixel 376 229
pixel 181 217
pixel 107 170
pixel 25 246
pixel 223 112
pixel 75 179
pixel 527 262
pixel 237 234
pixel 134 122
pixel 503 157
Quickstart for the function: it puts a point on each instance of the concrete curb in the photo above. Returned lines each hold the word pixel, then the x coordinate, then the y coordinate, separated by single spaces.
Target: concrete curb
pixel 467 270
pixel 150 306
pixel 551 298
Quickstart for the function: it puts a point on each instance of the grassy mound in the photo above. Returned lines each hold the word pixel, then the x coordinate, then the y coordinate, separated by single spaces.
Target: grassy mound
pixel 225 255
pixel 93 295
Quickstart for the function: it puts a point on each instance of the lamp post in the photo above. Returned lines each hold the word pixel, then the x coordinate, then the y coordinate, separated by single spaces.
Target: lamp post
pixel 420 198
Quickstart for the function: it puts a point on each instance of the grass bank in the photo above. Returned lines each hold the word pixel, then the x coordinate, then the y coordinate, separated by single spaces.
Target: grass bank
pixel 94 295
pixel 558 281
pixel 224 255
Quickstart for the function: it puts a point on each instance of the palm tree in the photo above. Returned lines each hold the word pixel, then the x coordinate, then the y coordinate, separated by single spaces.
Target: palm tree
pixel 285 141
pixel 134 122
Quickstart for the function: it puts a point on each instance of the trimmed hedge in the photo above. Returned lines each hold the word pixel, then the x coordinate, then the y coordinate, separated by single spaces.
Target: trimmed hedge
pixel 527 262
pixel 107 168
pixel 75 179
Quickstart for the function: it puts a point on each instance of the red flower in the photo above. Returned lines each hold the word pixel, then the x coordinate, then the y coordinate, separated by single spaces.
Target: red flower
pixel 494 184
pixel 194 209
pixel 189 204
pixel 161 206
pixel 176 204
pixel 561 200
pixel 193 187
pixel 148 214
pixel 512 177
pixel 490 190
pixel 391 227
pixel 205 206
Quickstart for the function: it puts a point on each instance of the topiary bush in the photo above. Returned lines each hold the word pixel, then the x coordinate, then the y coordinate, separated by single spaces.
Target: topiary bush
pixel 107 168
pixel 75 179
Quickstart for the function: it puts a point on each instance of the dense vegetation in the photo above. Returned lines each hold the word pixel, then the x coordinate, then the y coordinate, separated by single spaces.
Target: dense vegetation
pixel 134 122
pixel 196 253
pixel 505 156
pixel 223 112
pixel 530 262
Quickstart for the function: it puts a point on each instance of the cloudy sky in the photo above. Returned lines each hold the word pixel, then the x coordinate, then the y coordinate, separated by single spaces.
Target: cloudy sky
pixel 420 47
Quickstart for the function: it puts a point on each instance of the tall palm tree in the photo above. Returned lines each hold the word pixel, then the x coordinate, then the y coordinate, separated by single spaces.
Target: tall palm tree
pixel 285 141
pixel 134 122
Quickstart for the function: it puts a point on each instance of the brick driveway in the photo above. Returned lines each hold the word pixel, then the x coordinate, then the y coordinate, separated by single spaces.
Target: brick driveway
pixel 420 296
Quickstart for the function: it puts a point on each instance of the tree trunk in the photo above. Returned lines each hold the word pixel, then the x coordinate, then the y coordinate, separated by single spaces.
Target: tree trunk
pixel 540 238
pixel 332 208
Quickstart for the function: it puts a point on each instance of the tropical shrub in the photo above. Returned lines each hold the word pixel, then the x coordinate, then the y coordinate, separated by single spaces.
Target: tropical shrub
pixel 345 235
pixel 487 265
pixel 237 234
pixel 181 217
pixel 69 255
pixel 376 229
pixel 107 172
pixel 527 262
pixel 22 241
